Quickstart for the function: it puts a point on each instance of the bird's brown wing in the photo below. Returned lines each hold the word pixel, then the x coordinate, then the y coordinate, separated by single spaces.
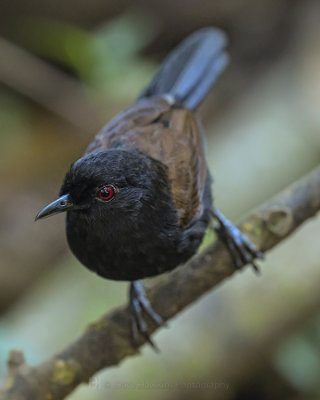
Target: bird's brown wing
pixel 170 135
pixel 122 131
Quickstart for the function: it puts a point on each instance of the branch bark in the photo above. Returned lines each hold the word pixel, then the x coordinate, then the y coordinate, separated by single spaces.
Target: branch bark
pixel 106 342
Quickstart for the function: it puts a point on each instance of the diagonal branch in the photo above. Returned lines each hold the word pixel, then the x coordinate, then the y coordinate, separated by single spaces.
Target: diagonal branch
pixel 107 341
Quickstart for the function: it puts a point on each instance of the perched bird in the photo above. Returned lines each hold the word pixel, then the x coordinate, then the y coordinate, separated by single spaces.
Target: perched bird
pixel 139 201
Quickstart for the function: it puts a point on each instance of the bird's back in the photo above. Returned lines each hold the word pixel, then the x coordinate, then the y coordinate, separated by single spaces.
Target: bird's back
pixel 169 134
pixel 162 125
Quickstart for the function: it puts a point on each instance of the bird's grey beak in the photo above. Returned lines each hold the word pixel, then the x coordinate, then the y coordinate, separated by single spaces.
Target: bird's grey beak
pixel 62 204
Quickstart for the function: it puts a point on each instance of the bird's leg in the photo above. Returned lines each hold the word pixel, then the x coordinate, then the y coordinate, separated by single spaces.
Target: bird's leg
pixel 139 303
pixel 240 247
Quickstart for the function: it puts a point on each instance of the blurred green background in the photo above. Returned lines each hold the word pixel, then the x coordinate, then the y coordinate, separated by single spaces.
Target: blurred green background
pixel 65 69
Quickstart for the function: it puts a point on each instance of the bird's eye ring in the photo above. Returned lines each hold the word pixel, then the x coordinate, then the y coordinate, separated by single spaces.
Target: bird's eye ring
pixel 106 193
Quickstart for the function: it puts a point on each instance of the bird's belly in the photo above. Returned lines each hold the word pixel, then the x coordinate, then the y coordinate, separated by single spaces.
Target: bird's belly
pixel 130 258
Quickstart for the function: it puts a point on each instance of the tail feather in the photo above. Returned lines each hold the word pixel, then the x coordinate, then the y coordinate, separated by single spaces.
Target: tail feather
pixel 191 69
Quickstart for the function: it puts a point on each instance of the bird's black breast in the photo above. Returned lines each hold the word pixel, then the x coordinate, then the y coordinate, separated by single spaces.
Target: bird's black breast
pixel 138 234
pixel 125 251
pixel 130 249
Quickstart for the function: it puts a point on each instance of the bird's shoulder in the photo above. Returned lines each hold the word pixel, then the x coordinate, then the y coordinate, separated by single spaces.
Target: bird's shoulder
pixel 124 129
pixel 170 135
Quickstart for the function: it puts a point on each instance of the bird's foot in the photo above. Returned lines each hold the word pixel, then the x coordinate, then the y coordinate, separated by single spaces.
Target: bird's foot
pixel 140 304
pixel 242 250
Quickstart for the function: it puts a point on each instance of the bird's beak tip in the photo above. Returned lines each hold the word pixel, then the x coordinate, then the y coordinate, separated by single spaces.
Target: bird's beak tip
pixel 62 204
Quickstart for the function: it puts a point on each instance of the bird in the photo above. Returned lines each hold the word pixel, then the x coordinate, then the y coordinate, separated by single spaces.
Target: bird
pixel 139 201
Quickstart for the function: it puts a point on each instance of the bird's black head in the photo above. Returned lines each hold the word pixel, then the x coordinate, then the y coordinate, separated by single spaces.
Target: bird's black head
pixel 111 181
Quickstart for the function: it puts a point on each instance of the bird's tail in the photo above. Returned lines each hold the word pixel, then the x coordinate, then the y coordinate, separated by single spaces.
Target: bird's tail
pixel 190 70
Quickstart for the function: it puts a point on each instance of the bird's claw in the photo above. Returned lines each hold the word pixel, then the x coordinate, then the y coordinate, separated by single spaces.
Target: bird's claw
pixel 140 304
pixel 241 249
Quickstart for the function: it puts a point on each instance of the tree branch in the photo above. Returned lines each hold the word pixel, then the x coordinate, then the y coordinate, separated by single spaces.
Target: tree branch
pixel 108 341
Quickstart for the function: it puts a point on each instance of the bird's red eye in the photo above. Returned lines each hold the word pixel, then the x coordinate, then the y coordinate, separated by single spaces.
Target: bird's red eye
pixel 106 193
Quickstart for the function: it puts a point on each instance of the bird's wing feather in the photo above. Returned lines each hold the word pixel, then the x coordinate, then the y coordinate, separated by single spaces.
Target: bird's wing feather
pixel 170 135
pixel 121 131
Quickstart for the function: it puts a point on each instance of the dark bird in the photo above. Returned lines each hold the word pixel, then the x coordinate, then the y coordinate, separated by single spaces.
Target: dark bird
pixel 139 201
